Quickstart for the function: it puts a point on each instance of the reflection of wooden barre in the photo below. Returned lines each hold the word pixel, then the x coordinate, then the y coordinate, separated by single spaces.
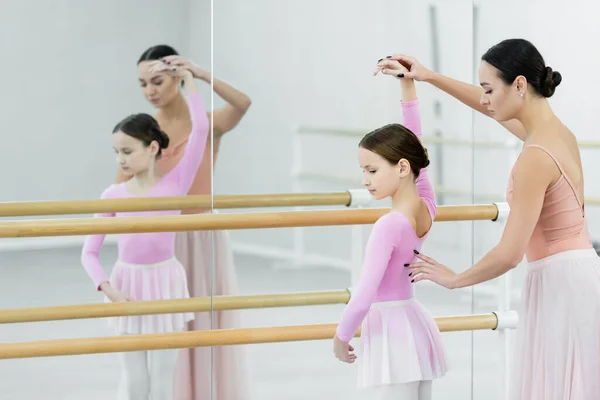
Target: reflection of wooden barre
pixel 217 337
pixel 182 223
pixel 197 304
pixel 487 144
pixel 174 203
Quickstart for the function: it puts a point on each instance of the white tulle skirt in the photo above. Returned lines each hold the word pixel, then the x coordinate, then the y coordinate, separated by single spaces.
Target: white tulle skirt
pixel 557 353
pixel 400 342
pixel 165 280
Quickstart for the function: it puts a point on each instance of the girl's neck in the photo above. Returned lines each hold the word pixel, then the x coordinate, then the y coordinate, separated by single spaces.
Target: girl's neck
pixel 406 199
pixel 144 181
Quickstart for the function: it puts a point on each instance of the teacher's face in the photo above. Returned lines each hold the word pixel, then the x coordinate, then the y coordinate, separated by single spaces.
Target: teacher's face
pixel 159 88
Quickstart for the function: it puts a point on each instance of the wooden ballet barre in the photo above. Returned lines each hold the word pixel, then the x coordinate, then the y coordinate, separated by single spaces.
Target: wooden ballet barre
pixel 16 209
pixel 217 337
pixel 179 223
pixel 197 304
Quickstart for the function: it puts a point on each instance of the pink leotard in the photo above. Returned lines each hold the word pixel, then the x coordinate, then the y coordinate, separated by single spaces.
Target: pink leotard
pixel 152 247
pixel 391 245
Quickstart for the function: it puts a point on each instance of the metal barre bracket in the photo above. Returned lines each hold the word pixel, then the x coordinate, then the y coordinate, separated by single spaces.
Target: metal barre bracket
pixel 503 211
pixel 507 319
pixel 359 198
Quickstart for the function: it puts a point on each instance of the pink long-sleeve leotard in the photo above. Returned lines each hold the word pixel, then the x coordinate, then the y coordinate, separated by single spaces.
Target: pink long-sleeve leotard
pixel 152 247
pixel 390 246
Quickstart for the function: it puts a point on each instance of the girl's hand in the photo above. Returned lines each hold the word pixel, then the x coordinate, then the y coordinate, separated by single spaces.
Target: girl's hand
pixel 113 295
pixel 342 351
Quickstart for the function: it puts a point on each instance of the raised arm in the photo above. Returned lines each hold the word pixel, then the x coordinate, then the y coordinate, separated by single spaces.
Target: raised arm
pixel 412 120
pixel 382 242
pixel 466 93
pixel 224 118
pixel 470 95
pixel 227 117
pixel 186 168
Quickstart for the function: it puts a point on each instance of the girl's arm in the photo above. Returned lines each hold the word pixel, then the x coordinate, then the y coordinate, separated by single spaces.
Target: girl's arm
pixel 382 242
pixel 90 254
pixel 185 170
pixel 412 121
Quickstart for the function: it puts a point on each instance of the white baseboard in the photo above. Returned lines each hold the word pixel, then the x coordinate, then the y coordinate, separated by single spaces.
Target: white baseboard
pixel 47 243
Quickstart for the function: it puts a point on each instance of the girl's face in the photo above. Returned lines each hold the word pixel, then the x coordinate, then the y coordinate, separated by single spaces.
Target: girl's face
pixel 133 156
pixel 159 88
pixel 381 178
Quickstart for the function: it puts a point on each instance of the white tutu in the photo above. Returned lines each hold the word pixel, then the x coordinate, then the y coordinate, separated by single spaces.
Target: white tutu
pixel 165 280
pixel 400 343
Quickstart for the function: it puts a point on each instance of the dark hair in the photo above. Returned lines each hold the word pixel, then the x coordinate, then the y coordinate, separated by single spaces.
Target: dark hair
pixel 395 142
pixel 144 128
pixel 514 57
pixel 157 52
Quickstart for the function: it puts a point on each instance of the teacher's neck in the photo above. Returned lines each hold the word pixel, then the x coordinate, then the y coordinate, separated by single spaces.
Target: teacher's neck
pixel 175 110
pixel 537 113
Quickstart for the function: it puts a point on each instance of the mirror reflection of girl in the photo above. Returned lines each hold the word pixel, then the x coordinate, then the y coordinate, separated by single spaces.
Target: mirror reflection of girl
pixel 401 347
pixel 147 268
pixel 198 369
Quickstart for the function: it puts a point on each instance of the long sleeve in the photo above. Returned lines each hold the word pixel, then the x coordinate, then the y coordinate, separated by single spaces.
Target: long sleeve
pixel 90 254
pixel 385 235
pixel 412 120
pixel 185 170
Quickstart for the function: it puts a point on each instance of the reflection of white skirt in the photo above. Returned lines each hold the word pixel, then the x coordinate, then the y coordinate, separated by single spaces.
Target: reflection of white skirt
pixel 400 343
pixel 164 280
pixel 557 349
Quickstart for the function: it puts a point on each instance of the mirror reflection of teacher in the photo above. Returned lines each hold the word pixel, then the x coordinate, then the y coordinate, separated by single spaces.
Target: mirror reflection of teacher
pixel 193 249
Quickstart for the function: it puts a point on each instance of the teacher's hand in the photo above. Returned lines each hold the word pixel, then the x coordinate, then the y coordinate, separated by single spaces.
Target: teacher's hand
pixel 430 270
pixel 416 71
pixel 392 68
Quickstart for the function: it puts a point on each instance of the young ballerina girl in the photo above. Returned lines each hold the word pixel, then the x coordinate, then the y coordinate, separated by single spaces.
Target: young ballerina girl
pixel 401 347
pixel 147 268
